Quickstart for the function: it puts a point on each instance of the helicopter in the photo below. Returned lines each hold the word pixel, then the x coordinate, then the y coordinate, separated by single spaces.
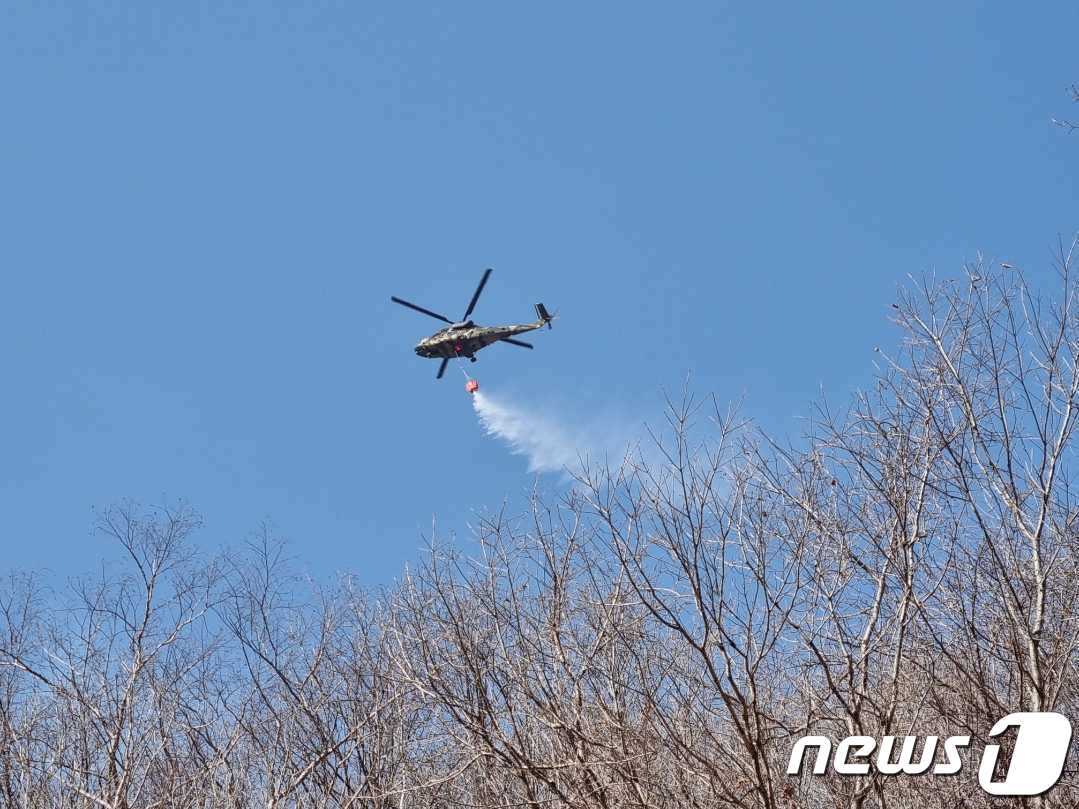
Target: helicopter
pixel 463 338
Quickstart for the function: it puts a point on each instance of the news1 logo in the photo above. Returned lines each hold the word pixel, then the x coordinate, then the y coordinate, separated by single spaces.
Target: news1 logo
pixel 1041 747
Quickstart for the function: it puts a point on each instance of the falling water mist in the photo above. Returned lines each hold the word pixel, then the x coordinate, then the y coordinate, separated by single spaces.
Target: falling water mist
pixel 548 441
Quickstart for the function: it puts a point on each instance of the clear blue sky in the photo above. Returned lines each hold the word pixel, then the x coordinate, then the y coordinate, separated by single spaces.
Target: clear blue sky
pixel 207 205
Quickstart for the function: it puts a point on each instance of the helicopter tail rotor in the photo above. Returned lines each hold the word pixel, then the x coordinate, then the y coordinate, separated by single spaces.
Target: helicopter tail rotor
pixel 544 315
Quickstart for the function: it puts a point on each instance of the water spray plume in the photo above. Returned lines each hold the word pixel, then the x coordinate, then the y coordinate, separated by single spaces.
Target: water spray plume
pixel 546 444
pixel 553 441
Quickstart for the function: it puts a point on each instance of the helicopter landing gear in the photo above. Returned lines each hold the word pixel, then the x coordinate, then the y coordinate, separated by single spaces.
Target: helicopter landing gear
pixel 471 359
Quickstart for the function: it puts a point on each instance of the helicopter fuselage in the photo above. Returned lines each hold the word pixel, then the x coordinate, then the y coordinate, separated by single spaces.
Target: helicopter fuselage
pixel 465 339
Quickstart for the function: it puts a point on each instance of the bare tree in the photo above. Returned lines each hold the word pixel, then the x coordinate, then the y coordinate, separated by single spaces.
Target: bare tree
pixel 1071 126
pixel 659 633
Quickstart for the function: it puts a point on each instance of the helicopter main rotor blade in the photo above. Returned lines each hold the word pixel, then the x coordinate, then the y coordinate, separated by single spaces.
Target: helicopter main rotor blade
pixel 520 343
pixel 476 296
pixel 435 315
pixel 442 368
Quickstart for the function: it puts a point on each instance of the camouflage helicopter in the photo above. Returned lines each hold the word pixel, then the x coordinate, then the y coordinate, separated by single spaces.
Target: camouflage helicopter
pixel 464 338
